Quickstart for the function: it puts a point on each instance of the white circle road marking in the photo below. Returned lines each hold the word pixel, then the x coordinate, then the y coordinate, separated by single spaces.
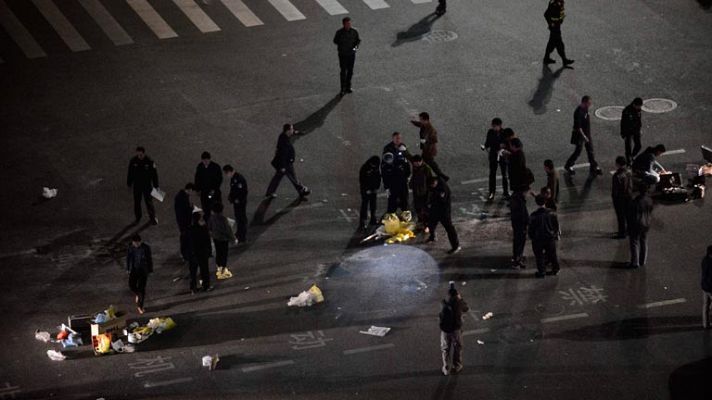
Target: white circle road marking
pixel 609 113
pixel 658 106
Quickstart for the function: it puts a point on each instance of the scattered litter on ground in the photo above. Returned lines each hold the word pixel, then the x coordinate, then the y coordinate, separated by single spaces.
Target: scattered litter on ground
pixel 42 336
pixel 48 193
pixel 493 270
pixel 396 228
pixel 73 340
pixel 307 298
pixel 480 342
pixel 487 316
pixel 379 331
pixel 464 283
pixel 325 201
pixel 211 361
pixel 247 288
pixel 56 355
pixel 161 324
pixel 177 278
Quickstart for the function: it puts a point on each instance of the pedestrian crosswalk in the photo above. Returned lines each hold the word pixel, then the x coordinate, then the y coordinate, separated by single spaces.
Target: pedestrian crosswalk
pixel 61 17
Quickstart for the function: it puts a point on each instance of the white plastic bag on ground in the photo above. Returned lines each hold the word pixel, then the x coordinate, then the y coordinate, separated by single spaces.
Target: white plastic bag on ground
pixel 42 336
pixel 48 193
pixel 304 299
pixel 56 355
pixel 211 361
pixel 379 331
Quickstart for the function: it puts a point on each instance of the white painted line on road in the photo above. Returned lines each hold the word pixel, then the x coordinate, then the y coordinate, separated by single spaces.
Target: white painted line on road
pixel 287 9
pixel 376 4
pixel 346 217
pixel 19 33
pixel 367 349
pixel 106 22
pixel 332 7
pixel 673 152
pixel 260 367
pixel 61 24
pixel 478 180
pixel 662 303
pixel 241 12
pixel 564 317
pixel 151 18
pixel 421 1
pixel 475 331
pixel 166 383
pixel 197 16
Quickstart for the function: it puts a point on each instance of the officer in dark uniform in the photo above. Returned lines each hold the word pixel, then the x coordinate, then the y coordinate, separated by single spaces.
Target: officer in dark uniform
pixel 369 183
pixel 208 178
pixel 440 210
pixel 544 232
pixel 347 42
pixel 581 136
pixel 283 163
pixel 238 198
pixel 520 220
pixel 493 144
pixel 554 16
pixel 395 170
pixel 143 177
pixel 630 128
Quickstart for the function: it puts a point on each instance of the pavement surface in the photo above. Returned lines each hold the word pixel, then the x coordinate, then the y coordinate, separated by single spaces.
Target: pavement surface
pixel 79 92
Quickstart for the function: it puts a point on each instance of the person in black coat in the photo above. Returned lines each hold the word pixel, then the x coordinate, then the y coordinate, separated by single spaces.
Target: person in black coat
pixel 520 220
pixel 440 211
pixel 347 42
pixel 630 128
pixel 544 232
pixel 143 177
pixel 494 144
pixel 639 214
pixel 646 167
pixel 554 16
pixel 453 308
pixel 184 217
pixel 238 198
pixel 200 252
pixel 395 171
pixel 369 182
pixel 283 163
pixel 139 264
pixel 622 194
pixel 706 283
pixel 208 178
pixel 581 137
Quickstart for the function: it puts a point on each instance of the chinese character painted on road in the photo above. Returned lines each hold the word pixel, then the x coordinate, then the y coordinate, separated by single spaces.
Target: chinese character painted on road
pixel 308 340
pixel 151 365
pixel 583 295
pixel 8 391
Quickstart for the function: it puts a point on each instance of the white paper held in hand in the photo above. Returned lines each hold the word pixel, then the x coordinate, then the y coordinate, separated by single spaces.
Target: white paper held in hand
pixel 158 194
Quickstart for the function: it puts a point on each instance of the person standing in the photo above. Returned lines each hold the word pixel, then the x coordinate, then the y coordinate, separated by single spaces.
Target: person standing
pixel 143 177
pixel 200 253
pixel 222 236
pixel 184 217
pixel 622 194
pixel 208 178
pixel 238 198
pixel 420 185
pixel 347 42
pixel 494 144
pixel 283 163
pixel 707 289
pixel 429 143
pixel 639 214
pixel 369 178
pixel 139 264
pixel 395 171
pixel 552 182
pixel 544 232
pixel 520 219
pixel 554 16
pixel 441 8
pixel 630 128
pixel 453 308
pixel 440 211
pixel 581 137
pixel 520 176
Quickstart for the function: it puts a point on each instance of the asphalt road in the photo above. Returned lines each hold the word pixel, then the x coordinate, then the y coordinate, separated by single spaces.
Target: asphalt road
pixel 71 119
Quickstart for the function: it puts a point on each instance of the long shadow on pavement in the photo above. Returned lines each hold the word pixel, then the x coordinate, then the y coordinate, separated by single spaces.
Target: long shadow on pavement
pixel 316 119
pixel 416 31
pixel 632 328
pixel 542 95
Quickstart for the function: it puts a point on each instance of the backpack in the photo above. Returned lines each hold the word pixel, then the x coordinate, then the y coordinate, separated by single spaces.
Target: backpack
pixel 447 317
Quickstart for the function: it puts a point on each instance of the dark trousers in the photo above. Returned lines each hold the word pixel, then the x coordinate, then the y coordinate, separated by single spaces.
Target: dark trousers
pixel 220 252
pixel 577 152
pixel 435 167
pixel 397 198
pixel 634 141
pixel 202 264
pixel 207 201
pixel 145 194
pixel 368 202
pixel 442 6
pixel 621 207
pixel 241 220
pixel 446 221
pixel 706 310
pixel 545 251
pixel 289 172
pixel 137 284
pixel 421 208
pixel 493 164
pixel 638 246
pixel 346 65
pixel 555 42
pixel 519 240
pixel 185 244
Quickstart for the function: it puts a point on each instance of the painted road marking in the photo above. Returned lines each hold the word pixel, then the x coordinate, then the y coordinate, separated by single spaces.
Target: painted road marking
pixel 197 16
pixel 332 7
pixel 564 318
pixel 241 12
pixel 368 349
pixel 662 303
pixel 19 33
pixel 479 180
pixel 421 1
pixel 260 367
pixel 376 4
pixel 287 9
pixel 151 18
pixel 673 152
pixel 475 331
pixel 166 383
pixel 106 22
pixel 61 25
pixel 346 217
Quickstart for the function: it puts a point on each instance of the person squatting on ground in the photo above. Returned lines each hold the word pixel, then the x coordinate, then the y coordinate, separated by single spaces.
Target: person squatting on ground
pixel 222 237
pixel 347 42
pixel 630 128
pixel 451 314
pixel 420 185
pixel 494 143
pixel 369 178
pixel 581 137
pixel 283 163
pixel 395 171
pixel 622 194
pixel 640 212
pixel 139 264
pixel 429 143
pixel 544 232
pixel 238 198
pixel 646 167
pixel 200 253
pixel 707 289
pixel 184 217
pixel 143 177
pixel 208 178
pixel 554 16
pixel 440 211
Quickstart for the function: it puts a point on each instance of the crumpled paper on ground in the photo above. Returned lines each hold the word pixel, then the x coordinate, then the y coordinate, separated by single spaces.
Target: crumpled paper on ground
pixel 161 324
pixel 211 361
pixel 42 336
pixel 379 331
pixel 307 298
pixel 48 193
pixel 56 355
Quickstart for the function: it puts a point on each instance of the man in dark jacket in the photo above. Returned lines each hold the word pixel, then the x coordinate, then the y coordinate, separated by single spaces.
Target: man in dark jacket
pixel 544 232
pixel 639 213
pixel 440 210
pixel 520 176
pixel 453 308
pixel 646 166
pixel 139 264
pixel 347 42
pixel 283 163
pixel 581 137
pixel 707 289
pixel 184 217
pixel 622 194
pixel 494 143
pixel 420 185
pixel 208 178
pixel 630 128
pixel 395 171
pixel 238 198
pixel 554 16
pixel 143 177
pixel 369 178
pixel 520 219
pixel 200 252
pixel 429 143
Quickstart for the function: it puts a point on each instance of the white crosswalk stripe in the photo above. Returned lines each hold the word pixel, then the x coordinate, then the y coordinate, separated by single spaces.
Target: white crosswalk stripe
pixel 332 7
pixel 154 21
pixel 106 22
pixel 19 33
pixel 287 9
pixel 197 16
pixel 241 12
pixel 61 24
pixel 421 1
pixel 376 4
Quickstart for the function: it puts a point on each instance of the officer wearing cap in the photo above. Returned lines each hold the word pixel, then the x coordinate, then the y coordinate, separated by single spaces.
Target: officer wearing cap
pixel 395 171
pixel 554 16
pixel 143 177
pixel 208 178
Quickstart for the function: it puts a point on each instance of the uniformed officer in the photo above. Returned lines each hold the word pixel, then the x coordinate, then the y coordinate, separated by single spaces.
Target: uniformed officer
pixel 429 143
pixel 554 16
pixel 520 220
pixel 143 177
pixel 238 198
pixel 440 211
pixel 208 178
pixel 494 144
pixel 630 128
pixel 544 232
pixel 347 42
pixel 395 170
pixel 283 163
pixel 581 137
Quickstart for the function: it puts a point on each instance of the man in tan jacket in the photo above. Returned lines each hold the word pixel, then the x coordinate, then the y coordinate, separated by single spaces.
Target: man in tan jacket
pixel 429 143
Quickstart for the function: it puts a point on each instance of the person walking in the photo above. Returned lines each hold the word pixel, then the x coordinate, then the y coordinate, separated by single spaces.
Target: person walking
pixel 544 232
pixel 520 220
pixel 184 217
pixel 142 177
pixel 238 198
pixel 552 183
pixel 208 178
pixel 347 42
pixel 631 125
pixel 201 251
pixel 639 213
pixel 429 143
pixel 420 185
pixel 440 211
pixel 622 194
pixel 441 8
pixel 707 289
pixel 395 171
pixel 581 137
pixel 139 264
pixel 222 236
pixel 453 308
pixel 369 182
pixel 554 16
pixel 494 143
pixel 283 163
